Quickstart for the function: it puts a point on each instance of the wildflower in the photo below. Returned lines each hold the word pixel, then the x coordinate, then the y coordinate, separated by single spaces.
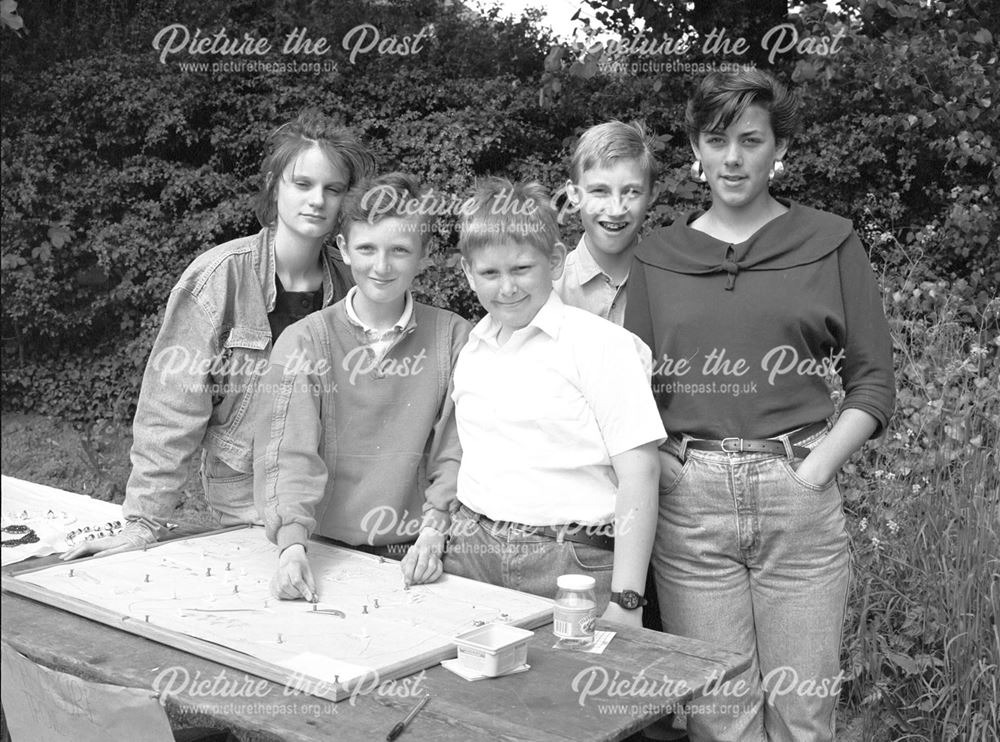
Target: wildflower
pixel 915 489
pixel 863 525
pixel 893 526
pixel 978 351
pixel 876 541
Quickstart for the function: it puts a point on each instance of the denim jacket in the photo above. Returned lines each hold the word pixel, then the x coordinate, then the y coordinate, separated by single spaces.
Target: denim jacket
pixel 200 383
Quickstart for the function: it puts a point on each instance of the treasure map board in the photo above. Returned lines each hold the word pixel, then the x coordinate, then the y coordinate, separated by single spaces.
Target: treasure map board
pixel 210 595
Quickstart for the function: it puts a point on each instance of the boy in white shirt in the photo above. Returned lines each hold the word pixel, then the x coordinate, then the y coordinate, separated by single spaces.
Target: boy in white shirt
pixel 556 419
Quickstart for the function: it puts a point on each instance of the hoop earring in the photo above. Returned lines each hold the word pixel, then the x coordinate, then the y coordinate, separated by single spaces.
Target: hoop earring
pixel 696 172
pixel 777 169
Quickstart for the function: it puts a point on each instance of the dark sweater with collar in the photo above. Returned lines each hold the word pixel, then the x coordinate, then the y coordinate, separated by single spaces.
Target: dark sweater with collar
pixel 355 447
pixel 742 334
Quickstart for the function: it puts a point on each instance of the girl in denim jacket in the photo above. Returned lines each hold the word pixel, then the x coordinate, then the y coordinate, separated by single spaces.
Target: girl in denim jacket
pixel 222 317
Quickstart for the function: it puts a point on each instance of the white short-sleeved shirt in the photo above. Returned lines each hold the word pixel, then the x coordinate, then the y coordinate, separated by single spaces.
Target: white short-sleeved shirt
pixel 540 417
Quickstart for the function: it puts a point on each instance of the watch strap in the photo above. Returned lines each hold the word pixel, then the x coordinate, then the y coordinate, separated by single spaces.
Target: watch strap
pixel 617 597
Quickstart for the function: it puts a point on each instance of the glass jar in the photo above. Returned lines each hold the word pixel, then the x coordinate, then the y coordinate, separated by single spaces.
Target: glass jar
pixel 575 612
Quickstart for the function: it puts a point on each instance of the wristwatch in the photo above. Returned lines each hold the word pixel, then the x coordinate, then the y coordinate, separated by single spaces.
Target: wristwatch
pixel 628 599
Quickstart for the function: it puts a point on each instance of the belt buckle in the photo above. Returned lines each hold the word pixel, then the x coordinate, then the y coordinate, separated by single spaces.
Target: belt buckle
pixel 738 443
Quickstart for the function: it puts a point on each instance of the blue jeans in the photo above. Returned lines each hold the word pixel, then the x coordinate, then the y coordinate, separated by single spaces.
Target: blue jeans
pixel 750 557
pixel 509 555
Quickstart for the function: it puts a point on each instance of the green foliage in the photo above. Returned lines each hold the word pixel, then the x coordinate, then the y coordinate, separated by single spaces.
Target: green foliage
pixel 922 651
pixel 910 114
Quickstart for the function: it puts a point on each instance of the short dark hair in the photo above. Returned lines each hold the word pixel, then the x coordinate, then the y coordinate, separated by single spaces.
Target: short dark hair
pixel 722 97
pixel 309 129
pixel 393 195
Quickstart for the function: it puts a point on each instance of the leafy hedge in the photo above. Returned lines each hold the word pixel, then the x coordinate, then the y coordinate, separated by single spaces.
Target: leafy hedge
pixel 118 169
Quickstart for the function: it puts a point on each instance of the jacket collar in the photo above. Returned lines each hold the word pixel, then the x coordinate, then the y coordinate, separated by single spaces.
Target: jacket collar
pixel 266 265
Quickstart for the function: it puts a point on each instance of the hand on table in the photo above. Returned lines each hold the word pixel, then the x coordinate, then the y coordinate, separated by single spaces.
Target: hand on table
pixel 133 536
pixel 422 562
pixel 294 579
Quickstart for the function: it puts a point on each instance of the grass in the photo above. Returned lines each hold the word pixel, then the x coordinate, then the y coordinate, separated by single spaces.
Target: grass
pixel 922 637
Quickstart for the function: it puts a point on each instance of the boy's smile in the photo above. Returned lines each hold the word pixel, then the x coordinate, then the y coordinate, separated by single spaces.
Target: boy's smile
pixel 384 257
pixel 513 281
pixel 613 200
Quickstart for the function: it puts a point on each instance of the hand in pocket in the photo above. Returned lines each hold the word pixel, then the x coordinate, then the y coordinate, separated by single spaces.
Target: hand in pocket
pixel 812 473
pixel 670 470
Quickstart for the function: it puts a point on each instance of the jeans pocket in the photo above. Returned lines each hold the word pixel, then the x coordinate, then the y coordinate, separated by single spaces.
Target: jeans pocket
pixel 229 493
pixel 591 558
pixel 675 474
pixel 793 475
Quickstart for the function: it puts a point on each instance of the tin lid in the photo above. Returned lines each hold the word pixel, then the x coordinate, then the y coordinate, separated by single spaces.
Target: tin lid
pixel 576 582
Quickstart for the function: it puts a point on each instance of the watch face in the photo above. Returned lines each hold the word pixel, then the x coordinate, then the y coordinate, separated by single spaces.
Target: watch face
pixel 629 599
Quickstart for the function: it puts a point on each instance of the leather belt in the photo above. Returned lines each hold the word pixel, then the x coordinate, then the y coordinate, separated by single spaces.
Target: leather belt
pixel 760 445
pixel 575 532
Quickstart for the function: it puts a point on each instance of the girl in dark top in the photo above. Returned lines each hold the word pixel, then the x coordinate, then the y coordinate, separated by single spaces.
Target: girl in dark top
pixel 199 390
pixel 747 307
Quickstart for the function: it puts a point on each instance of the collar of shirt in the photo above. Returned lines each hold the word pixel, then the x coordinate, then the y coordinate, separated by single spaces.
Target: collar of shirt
pixel 266 263
pixel 354 319
pixel 586 266
pixel 548 319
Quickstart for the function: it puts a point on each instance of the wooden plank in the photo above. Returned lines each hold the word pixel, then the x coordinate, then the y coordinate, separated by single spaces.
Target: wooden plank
pixel 459 711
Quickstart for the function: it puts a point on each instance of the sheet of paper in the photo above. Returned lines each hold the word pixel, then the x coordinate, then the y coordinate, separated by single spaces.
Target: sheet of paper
pixel 601 641
pixel 49 513
pixel 459 669
pixel 42 704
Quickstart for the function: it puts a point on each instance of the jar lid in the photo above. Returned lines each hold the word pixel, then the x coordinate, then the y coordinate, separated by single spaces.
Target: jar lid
pixel 576 582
